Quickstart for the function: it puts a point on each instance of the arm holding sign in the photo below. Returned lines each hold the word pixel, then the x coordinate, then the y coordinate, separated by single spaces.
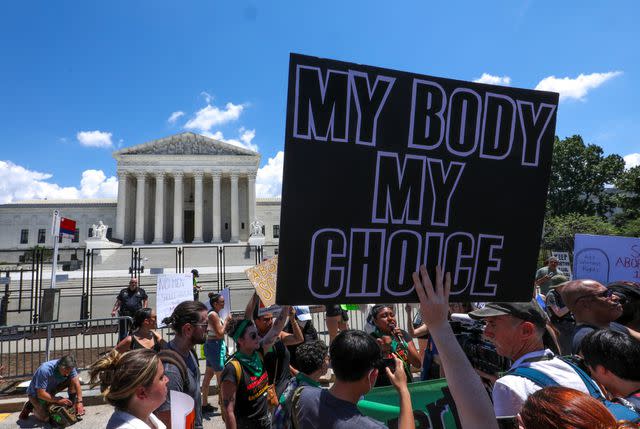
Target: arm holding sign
pixel 276 328
pixel 473 403
pixel 251 307
pixel 297 337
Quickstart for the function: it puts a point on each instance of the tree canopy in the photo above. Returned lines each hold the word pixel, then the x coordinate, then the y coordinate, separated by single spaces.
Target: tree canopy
pixel 579 173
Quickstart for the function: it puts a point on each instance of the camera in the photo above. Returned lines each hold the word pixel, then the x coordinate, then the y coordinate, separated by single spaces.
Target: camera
pixel 480 352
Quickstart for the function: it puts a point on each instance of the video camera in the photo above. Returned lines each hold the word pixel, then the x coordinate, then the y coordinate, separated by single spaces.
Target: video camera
pixel 480 352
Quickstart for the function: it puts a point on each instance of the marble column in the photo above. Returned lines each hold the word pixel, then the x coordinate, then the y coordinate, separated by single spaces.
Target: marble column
pixel 140 188
pixel 198 203
pixel 235 219
pixel 120 208
pixel 251 192
pixel 217 237
pixel 177 207
pixel 159 212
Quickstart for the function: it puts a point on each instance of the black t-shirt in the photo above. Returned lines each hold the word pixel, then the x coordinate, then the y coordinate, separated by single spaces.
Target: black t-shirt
pixel 308 332
pixel 251 393
pixel 130 302
pixel 276 362
pixel 582 330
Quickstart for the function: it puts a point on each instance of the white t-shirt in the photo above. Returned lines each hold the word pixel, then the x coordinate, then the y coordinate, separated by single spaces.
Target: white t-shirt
pixel 511 391
pixel 123 420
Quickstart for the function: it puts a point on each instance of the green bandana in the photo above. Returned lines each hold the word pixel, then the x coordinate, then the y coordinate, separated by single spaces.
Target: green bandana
pixel 301 378
pixel 241 328
pixel 252 363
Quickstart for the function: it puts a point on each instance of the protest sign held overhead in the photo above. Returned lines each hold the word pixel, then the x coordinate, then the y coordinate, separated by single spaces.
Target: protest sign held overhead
pixel 387 170
pixel 263 278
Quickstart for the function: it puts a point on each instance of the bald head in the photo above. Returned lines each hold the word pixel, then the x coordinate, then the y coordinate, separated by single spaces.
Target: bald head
pixel 573 290
pixel 591 303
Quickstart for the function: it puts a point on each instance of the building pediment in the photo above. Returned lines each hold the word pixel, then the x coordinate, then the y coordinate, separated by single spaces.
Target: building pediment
pixel 185 144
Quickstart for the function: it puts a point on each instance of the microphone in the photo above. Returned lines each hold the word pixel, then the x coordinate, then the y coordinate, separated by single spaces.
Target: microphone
pixel 395 335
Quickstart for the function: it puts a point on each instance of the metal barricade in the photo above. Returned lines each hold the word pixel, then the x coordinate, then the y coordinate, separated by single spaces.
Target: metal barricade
pixel 24 347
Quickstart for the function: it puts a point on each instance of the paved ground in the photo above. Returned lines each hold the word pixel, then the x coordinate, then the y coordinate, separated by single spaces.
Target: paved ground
pixel 96 417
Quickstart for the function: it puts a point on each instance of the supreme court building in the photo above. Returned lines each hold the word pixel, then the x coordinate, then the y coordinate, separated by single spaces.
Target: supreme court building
pixel 185 188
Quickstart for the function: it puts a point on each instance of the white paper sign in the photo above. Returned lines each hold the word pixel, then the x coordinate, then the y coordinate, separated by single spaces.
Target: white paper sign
pixel 564 264
pixel 172 290
pixel 606 258
pixel 226 294
pixel 183 415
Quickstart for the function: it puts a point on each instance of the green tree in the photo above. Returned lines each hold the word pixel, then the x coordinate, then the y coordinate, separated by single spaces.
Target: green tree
pixel 628 200
pixel 559 231
pixel 579 174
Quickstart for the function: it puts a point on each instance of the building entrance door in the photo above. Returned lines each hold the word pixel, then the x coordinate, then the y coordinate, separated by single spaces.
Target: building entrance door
pixel 188 226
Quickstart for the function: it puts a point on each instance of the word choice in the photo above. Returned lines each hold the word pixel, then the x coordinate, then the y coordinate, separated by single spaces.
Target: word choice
pixel 361 262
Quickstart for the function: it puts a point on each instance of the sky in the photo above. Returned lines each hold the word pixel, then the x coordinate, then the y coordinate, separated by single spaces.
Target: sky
pixel 79 79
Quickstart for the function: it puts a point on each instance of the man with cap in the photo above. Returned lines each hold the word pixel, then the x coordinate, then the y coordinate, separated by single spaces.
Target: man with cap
pixel 559 314
pixel 594 307
pixel 517 329
pixel 51 378
pixel 545 274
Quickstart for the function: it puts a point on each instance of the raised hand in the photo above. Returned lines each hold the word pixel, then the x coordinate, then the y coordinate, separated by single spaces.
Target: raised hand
pixel 434 302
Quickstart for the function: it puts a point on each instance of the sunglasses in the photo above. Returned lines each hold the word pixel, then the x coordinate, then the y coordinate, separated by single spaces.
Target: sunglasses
pixel 202 325
pixel 606 294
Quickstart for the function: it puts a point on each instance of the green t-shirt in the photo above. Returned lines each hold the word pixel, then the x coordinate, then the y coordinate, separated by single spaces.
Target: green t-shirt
pixel 544 287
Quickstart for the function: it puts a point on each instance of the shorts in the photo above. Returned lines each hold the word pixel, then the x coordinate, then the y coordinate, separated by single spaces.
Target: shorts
pixel 215 352
pixel 336 310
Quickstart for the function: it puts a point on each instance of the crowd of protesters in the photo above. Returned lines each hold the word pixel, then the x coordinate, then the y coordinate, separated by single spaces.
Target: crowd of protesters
pixel 573 354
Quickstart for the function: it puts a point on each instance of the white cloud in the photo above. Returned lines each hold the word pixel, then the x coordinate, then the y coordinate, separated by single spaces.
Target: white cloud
pixel 494 80
pixel 632 160
pixel 94 184
pixel 575 88
pixel 207 97
pixel 19 183
pixel 244 139
pixel 175 116
pixel 210 116
pixel 269 177
pixel 95 138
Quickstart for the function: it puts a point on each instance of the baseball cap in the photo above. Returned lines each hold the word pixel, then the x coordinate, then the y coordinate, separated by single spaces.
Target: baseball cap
pixel 302 312
pixel 529 311
pixel 557 281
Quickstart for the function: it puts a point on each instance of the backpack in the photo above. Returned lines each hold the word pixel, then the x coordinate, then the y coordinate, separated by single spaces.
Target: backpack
pixel 619 411
pixel 174 358
pixel 62 416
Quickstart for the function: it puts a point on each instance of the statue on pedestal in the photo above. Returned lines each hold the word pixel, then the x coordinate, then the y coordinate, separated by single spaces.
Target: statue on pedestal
pixel 256 228
pixel 100 231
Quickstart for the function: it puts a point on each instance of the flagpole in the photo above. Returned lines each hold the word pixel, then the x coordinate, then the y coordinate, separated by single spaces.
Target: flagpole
pixel 55 231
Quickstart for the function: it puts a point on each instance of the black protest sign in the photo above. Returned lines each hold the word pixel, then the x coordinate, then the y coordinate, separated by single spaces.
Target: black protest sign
pixel 387 170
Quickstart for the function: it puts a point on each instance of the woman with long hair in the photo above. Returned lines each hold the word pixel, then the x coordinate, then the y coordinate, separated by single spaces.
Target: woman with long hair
pixel 561 407
pixel 143 334
pixel 393 341
pixel 215 350
pixel 135 384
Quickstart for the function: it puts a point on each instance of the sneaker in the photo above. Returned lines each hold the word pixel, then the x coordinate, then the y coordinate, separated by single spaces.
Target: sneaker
pixel 26 410
pixel 208 408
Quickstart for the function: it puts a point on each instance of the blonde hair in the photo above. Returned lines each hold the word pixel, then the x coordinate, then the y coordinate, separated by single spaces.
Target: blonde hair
pixel 119 375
